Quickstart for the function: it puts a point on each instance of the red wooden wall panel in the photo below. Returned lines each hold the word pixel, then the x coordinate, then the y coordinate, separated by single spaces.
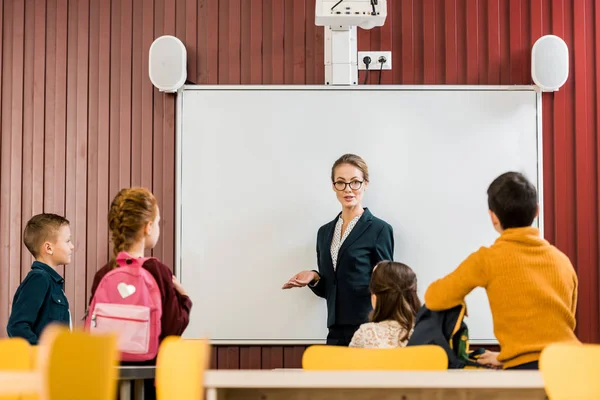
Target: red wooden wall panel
pixel 80 118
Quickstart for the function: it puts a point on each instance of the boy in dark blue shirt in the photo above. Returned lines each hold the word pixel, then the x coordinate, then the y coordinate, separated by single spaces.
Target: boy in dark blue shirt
pixel 40 299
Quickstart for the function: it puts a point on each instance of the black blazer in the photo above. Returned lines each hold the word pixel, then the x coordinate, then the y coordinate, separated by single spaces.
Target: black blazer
pixel 347 288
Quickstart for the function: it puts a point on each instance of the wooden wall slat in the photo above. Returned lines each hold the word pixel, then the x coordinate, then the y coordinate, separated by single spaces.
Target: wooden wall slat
pixel 440 52
pixel 292 356
pixel 124 92
pixel 71 149
pixel 78 306
pixel 27 177
pixel 228 357
pixel 85 121
pixel 272 357
pixel 167 153
pixel 4 272
pixel 250 357
pixel 76 155
pixel 494 52
pixel 311 45
pixel 288 50
pixel 50 114
pixel 39 97
pixel 298 42
pixel 363 37
pixel 213 42
pixel 213 358
pixel 223 35
pixel 234 42
pixel 146 110
pixel 597 113
pixel 505 27
pixel 115 178
pixel 451 43
pixel 158 118
pixel 585 167
pixel 407 58
pixel 419 42
pixel 461 32
pixel 482 42
pixel 245 37
pixel 6 162
pixel 191 37
pixel 16 143
pixel 386 44
pixel 277 38
pixel 565 159
pixel 93 162
pixel 60 126
pixel 137 80
pixel 472 42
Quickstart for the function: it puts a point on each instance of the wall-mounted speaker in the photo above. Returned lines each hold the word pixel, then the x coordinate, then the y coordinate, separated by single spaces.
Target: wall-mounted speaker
pixel 550 63
pixel 167 64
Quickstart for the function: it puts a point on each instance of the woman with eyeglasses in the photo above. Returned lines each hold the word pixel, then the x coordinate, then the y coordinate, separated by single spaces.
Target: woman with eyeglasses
pixel 347 250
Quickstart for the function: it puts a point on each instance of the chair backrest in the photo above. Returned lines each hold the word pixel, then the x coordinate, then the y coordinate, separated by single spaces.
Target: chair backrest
pixel 415 358
pixel 180 368
pixel 15 355
pixel 41 353
pixel 571 371
pixel 82 366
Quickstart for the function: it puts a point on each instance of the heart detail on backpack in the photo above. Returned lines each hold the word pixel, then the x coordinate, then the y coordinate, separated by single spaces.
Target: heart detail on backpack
pixel 125 290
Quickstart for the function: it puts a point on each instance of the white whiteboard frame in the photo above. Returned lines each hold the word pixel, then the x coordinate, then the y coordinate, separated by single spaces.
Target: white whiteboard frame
pixel 467 88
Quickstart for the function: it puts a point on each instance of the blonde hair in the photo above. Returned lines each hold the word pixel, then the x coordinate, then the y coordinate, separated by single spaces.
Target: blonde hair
pixel 354 160
pixel 130 211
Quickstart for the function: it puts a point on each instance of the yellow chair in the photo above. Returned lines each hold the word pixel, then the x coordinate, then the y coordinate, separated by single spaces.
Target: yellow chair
pixel 180 367
pixel 414 358
pixel 41 352
pixel 81 366
pixel 15 355
pixel 571 371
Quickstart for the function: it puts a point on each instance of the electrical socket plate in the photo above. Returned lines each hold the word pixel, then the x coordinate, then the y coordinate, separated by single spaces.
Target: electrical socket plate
pixel 375 65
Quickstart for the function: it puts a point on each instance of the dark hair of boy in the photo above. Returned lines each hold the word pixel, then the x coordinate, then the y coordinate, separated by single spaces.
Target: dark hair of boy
pixel 513 199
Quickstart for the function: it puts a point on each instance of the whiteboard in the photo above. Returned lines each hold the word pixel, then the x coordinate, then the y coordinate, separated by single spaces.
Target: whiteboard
pixel 253 187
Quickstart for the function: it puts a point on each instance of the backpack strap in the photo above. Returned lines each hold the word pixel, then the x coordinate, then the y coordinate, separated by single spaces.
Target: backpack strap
pixel 459 323
pixel 124 259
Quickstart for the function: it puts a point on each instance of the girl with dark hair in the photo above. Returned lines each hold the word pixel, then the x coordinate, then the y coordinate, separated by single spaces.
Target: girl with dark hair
pixel 395 304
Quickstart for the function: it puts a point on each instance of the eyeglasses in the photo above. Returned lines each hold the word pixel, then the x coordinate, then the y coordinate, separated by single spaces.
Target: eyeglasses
pixel 341 186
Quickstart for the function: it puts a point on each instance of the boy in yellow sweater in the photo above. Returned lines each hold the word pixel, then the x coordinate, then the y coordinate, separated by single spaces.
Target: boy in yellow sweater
pixel 530 284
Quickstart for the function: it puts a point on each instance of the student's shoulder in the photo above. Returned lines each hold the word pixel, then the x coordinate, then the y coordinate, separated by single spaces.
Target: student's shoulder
pixel 561 258
pixel 369 327
pixel 103 271
pixel 36 278
pixel 158 268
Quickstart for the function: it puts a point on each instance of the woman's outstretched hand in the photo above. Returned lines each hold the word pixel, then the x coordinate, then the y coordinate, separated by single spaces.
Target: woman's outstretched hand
pixel 301 279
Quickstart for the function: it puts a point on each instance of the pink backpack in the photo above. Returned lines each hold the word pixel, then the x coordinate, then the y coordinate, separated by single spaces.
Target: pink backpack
pixel 128 302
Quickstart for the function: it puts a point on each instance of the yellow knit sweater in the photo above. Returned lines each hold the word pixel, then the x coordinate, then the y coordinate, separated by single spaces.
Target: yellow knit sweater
pixel 532 289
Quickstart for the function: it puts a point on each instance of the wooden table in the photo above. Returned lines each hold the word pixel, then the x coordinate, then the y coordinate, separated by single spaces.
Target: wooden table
pixel 24 383
pixel 20 383
pixel 301 385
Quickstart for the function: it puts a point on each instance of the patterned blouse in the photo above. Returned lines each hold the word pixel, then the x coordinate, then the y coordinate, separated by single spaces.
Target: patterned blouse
pixel 379 335
pixel 338 239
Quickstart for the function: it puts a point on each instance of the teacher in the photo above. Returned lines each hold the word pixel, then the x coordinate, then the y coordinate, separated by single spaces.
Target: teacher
pixel 347 250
